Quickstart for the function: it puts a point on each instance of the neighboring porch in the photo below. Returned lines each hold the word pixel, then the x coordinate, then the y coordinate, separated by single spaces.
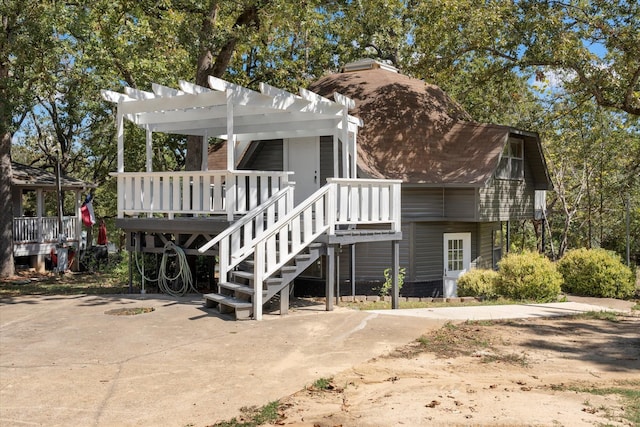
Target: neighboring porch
pixel 36 227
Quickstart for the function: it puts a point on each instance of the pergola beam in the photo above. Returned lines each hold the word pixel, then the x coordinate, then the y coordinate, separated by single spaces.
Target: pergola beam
pixel 227 110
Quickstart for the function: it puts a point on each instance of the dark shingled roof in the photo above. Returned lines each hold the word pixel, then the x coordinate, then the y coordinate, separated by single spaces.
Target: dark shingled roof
pixel 414 131
pixel 29 177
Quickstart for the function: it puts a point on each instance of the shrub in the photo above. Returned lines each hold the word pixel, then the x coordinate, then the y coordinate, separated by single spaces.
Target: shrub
pixel 478 283
pixel 596 273
pixel 528 276
pixel 388 281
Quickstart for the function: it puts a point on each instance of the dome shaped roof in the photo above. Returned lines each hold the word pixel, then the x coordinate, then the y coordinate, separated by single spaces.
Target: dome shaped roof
pixel 414 131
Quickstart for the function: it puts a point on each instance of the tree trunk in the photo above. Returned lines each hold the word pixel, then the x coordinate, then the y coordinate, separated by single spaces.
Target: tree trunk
pixel 6 216
pixel 207 66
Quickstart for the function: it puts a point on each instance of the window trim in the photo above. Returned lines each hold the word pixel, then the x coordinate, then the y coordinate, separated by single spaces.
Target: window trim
pixel 506 169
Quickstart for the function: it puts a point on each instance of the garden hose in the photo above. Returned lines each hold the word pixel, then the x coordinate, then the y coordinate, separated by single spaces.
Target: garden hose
pixel 163 279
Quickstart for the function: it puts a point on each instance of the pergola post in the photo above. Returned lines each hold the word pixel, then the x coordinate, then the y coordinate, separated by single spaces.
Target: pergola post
pixel 120 132
pixel 149 145
pixel 231 140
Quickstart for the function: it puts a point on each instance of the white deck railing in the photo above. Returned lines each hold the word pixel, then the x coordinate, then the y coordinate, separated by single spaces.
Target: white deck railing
pixel 196 192
pixel 43 229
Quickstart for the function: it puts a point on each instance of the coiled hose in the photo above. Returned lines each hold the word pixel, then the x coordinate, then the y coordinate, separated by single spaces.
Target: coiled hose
pixel 183 276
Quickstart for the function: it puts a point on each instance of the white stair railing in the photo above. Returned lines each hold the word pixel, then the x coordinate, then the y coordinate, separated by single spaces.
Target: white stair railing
pixel 289 231
pixel 236 242
pixel 289 236
pixel 341 201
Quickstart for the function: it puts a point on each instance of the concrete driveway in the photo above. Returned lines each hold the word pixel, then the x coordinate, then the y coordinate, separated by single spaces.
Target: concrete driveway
pixel 64 361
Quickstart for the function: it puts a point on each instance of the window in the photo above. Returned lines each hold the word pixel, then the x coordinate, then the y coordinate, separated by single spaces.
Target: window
pixel 455 255
pixel 512 161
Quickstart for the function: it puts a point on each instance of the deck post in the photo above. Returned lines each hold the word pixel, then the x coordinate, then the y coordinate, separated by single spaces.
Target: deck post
pixel 352 269
pixel 395 257
pixel 337 288
pixel 258 277
pixel 331 277
pixel 284 300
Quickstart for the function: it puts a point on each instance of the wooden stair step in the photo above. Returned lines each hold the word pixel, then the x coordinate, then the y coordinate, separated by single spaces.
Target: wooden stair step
pixel 243 274
pixel 236 287
pixel 227 300
pixel 228 304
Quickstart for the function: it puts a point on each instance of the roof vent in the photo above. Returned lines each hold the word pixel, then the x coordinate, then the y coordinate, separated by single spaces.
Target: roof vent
pixel 368 64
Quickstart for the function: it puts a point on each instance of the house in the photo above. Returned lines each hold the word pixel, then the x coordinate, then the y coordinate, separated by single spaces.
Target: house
pixel 462 181
pixel 263 227
pixel 36 225
pixel 300 189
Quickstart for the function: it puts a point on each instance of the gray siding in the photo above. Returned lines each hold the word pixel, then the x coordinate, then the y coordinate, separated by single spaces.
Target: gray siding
pixel 326 159
pixel 459 203
pixel 504 200
pixel 267 156
pixel 428 247
pixel 485 244
pixel 421 252
pixel 373 258
pixel 438 204
pixel 422 203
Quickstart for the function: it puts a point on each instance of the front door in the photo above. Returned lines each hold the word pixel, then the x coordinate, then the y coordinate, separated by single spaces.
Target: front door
pixel 457 259
pixel 302 157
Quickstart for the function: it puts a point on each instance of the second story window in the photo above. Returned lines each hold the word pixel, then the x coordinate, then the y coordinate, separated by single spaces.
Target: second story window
pixel 512 161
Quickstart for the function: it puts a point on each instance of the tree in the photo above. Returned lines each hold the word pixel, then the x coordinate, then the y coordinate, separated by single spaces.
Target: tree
pixel 593 159
pixel 25 47
pixel 594 45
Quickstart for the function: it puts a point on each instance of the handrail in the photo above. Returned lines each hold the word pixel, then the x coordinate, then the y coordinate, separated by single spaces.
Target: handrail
pixel 274 242
pixel 250 216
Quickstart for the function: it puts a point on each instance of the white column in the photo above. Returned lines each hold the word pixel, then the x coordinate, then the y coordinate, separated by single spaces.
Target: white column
pixel 336 153
pixel 149 144
pixel 345 142
pixel 354 156
pixel 120 132
pixel 205 152
pixel 40 212
pixel 78 230
pixel 231 139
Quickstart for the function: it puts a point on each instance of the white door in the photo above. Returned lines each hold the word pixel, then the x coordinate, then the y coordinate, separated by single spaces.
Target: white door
pixel 302 157
pixel 457 259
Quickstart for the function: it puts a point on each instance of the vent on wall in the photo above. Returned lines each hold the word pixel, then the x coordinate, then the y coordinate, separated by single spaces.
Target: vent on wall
pixel 368 64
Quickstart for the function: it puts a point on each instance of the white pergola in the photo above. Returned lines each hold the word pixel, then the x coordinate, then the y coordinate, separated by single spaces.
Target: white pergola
pixel 238 115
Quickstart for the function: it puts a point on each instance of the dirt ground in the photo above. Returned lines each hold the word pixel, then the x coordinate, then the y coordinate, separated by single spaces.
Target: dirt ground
pixel 542 372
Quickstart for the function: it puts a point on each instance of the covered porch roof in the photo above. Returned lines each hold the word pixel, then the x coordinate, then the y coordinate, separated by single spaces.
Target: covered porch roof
pixel 233 113
pixel 31 178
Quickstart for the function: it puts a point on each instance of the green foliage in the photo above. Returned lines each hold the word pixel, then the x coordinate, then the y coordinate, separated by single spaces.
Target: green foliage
pixel 322 383
pixel 388 281
pixel 478 283
pixel 253 416
pixel 528 276
pixel 596 273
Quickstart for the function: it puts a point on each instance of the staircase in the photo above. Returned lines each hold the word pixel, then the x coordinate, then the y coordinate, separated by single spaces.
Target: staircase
pixel 236 295
pixel 263 252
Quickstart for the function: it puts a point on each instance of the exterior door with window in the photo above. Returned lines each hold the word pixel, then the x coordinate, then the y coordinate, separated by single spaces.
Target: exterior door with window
pixel 457 259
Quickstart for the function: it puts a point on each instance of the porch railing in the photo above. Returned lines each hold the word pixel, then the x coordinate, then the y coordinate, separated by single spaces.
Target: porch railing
pixel 43 229
pixel 196 192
